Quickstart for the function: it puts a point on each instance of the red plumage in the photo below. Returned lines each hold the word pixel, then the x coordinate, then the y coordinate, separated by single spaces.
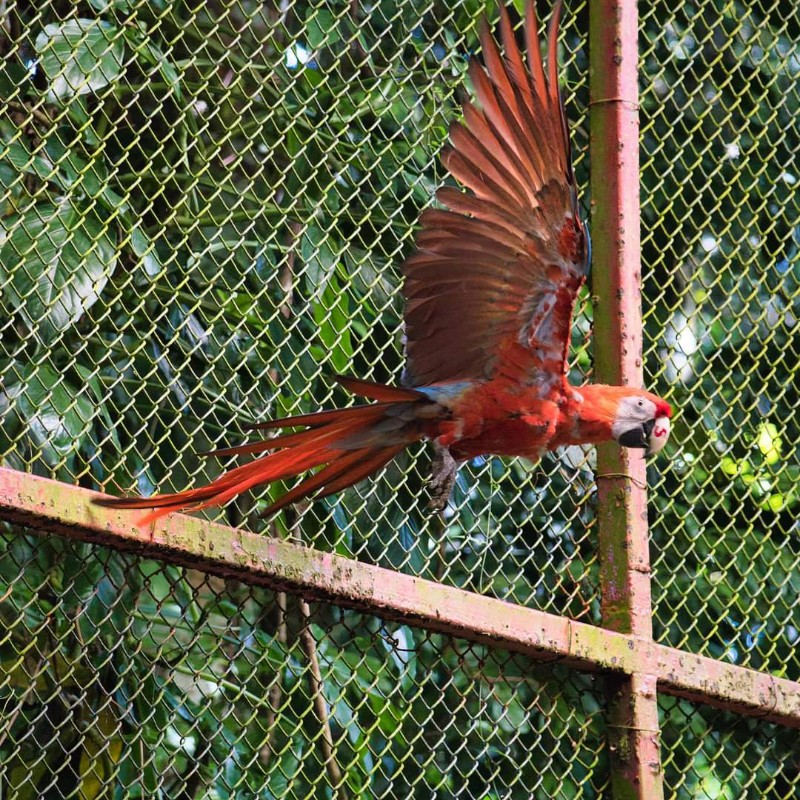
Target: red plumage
pixel 489 292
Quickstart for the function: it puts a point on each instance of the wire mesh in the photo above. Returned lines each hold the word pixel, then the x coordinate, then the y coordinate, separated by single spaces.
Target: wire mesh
pixel 709 753
pixel 147 681
pixel 719 237
pixel 206 209
pixel 202 213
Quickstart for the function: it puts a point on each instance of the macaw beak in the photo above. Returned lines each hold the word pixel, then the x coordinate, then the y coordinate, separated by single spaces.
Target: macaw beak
pixel 651 436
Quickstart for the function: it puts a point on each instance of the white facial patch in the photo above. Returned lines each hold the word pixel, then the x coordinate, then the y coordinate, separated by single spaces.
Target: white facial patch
pixel 636 416
pixel 632 411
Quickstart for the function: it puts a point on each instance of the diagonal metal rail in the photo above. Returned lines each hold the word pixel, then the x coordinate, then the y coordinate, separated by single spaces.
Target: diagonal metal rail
pixel 52 507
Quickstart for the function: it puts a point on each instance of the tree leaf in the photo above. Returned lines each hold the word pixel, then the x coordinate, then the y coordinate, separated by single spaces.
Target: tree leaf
pixel 145 250
pixel 319 257
pixel 152 54
pixel 17 154
pixel 53 413
pixel 321 28
pixel 332 314
pixel 79 56
pixel 56 259
pixel 104 6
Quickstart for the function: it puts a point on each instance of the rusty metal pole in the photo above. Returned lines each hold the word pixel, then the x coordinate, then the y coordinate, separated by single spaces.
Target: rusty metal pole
pixel 632 716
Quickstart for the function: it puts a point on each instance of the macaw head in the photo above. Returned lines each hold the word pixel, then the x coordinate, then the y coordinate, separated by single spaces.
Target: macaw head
pixel 642 421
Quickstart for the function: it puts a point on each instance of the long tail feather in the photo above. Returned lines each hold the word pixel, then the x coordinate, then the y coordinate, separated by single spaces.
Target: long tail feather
pixel 338 475
pixel 378 460
pixel 374 391
pixel 378 391
pixel 275 443
pixel 310 420
pixel 334 470
pixel 346 445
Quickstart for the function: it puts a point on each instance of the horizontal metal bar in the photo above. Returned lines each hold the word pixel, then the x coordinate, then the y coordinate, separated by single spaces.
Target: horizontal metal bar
pixel 231 553
pixel 58 508
pixel 727 686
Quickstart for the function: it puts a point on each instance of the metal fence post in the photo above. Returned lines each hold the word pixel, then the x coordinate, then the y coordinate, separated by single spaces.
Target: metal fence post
pixel 623 537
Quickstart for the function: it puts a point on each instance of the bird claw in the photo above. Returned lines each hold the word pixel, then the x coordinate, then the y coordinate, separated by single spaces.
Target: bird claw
pixel 443 477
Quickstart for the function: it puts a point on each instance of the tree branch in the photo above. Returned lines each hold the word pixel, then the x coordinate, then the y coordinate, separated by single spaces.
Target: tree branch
pixel 309 645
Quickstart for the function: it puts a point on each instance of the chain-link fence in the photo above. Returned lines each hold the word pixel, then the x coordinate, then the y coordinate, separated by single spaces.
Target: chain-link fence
pixel 720 232
pixel 204 208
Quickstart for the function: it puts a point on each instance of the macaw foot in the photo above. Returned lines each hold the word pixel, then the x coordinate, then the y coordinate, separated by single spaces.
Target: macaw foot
pixel 443 476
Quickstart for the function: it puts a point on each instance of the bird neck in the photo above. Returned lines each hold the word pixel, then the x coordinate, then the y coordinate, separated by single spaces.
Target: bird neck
pixel 587 414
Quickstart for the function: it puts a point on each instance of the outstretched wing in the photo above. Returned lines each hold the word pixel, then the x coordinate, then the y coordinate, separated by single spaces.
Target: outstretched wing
pixel 491 287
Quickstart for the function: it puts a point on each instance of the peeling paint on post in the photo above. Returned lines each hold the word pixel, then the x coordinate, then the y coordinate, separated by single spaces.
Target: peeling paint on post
pixel 622 503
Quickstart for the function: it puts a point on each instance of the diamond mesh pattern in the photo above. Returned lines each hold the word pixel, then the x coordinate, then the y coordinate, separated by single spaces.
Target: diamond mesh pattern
pixel 719 240
pixel 204 221
pixel 202 212
pixel 160 682
pixel 710 753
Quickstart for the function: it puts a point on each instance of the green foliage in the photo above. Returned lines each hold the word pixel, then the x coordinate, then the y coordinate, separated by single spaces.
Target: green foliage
pixel 68 257
pixel 721 240
pixel 79 57
pixel 174 675
pixel 202 212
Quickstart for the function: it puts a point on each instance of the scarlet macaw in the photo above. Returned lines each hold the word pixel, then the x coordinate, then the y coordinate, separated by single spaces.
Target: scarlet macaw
pixel 489 292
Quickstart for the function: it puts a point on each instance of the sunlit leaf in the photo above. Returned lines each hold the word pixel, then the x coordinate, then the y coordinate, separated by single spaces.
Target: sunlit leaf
pixel 57 260
pixel 321 28
pixel 79 56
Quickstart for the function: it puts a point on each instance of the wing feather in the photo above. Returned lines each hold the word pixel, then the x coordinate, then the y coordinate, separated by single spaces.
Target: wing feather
pixel 491 287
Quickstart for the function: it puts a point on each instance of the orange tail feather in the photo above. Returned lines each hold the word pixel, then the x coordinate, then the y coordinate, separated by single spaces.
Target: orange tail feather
pixel 348 444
